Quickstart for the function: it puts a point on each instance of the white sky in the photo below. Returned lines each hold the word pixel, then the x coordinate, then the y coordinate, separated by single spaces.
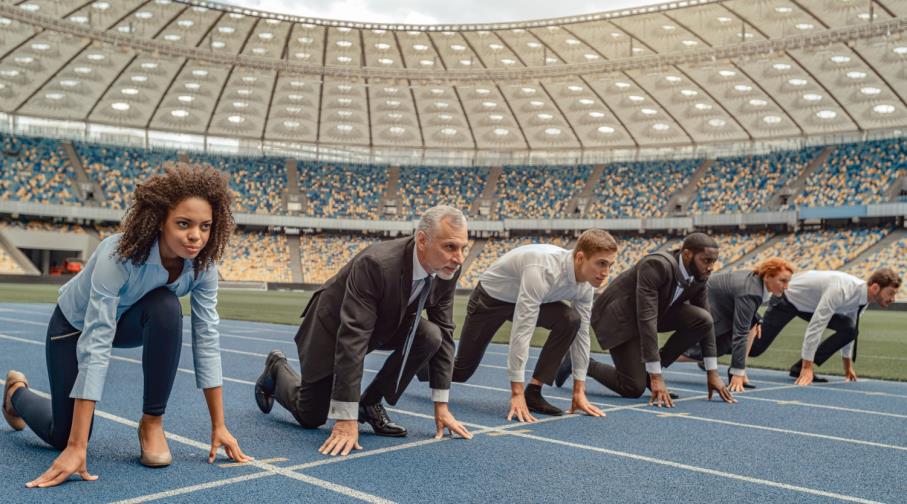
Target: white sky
pixel 437 11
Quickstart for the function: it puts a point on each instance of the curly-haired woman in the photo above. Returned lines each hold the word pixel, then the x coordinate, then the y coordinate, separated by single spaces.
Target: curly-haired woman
pixel 128 296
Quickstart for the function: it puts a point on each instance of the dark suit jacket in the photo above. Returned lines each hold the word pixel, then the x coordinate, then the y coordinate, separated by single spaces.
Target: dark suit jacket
pixel 631 305
pixel 734 299
pixel 362 308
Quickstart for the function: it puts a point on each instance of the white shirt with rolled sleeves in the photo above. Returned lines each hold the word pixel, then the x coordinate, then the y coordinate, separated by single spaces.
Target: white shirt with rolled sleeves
pixel 107 286
pixel 530 276
pixel 824 294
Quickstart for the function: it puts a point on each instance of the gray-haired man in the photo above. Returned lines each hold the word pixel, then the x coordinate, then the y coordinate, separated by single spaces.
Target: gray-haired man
pixel 375 302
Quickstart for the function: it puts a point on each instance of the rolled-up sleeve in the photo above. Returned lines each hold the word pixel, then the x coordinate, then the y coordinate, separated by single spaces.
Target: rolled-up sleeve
pixel 205 336
pixel 831 299
pixel 533 287
pixel 96 341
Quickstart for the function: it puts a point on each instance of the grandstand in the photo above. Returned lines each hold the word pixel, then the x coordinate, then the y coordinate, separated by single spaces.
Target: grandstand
pixel 779 127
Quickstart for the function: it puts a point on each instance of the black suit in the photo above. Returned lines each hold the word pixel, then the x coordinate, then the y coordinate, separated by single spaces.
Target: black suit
pixel 634 308
pixel 362 308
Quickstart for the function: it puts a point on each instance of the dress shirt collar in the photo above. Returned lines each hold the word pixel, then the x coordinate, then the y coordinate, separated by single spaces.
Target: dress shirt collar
pixel 766 295
pixel 419 272
pixel 683 271
pixel 568 268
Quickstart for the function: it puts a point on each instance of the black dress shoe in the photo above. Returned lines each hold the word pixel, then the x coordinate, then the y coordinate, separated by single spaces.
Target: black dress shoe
pixel 376 416
pixel 746 385
pixel 563 372
pixel 264 385
pixel 795 373
pixel 537 404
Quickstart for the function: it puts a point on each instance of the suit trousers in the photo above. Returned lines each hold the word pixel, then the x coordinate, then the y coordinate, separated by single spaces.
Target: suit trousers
pixel 485 315
pixel 781 311
pixel 309 400
pixel 628 375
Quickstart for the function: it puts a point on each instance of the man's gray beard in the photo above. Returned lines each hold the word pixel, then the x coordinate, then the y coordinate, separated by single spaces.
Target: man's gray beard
pixel 445 276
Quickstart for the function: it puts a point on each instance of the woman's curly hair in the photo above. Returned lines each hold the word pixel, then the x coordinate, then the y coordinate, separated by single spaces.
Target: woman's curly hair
pixel 159 194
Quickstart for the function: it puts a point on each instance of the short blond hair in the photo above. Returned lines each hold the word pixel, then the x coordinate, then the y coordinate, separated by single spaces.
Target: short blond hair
pixel 594 241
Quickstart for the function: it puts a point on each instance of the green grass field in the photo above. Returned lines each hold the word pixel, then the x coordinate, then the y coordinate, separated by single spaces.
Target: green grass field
pixel 883 342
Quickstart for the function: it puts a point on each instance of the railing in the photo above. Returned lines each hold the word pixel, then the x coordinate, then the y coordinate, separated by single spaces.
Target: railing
pixel 785 218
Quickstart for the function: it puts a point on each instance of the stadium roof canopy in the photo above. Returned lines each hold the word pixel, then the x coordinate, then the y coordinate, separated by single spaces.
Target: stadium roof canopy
pixel 678 74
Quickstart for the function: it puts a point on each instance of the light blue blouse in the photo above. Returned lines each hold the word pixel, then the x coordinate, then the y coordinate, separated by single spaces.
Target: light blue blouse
pixel 107 286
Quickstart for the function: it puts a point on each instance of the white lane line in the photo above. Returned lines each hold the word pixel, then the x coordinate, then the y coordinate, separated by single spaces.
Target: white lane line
pixel 643 408
pixel 688 416
pixel 696 469
pixel 247 382
pixel 261 464
pixel 167 494
pixel 797 402
pixel 617 453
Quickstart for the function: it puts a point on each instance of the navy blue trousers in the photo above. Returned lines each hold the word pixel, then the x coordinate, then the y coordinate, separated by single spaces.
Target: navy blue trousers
pixel 155 323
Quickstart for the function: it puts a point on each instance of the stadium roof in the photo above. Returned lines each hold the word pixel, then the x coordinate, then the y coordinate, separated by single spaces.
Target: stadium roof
pixel 676 74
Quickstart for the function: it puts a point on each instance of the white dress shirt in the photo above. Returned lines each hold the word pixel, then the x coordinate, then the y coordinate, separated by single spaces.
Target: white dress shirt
pixel 419 275
pixel 530 276
pixel 826 293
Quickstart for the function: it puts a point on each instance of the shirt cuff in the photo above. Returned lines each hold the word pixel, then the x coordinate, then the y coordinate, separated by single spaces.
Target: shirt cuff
pixel 653 367
pixel 711 363
pixel 737 371
pixel 208 373
pixel 579 375
pixel 89 384
pixel 517 376
pixel 440 395
pixel 341 410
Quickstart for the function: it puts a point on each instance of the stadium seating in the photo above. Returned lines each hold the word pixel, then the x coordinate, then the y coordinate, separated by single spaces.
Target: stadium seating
pixel 856 174
pixel 324 254
pixel 117 170
pixel 258 183
pixel 639 189
pixel 539 192
pixel 34 225
pixel 823 250
pixel 746 184
pixel 333 190
pixel 893 256
pixel 256 256
pixel 35 170
pixel 8 265
pixel 424 187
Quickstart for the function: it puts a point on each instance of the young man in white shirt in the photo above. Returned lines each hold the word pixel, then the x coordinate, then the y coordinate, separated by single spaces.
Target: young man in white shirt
pixel 826 299
pixel 528 286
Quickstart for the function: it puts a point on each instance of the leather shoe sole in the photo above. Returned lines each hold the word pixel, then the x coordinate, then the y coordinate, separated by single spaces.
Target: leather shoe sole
pixel 264 385
pixel 15 421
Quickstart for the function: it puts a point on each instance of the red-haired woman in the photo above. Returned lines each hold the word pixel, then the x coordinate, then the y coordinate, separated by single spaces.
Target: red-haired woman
pixel 734 298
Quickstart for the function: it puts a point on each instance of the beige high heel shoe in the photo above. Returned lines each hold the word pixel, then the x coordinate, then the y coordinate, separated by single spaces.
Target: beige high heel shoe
pixel 12 418
pixel 162 459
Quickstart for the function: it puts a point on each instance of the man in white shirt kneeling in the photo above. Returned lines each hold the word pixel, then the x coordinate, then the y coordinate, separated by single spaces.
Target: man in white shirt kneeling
pixel 528 286
pixel 826 299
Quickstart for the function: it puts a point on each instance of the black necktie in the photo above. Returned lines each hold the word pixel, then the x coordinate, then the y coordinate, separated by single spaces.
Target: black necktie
pixel 855 338
pixel 408 344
